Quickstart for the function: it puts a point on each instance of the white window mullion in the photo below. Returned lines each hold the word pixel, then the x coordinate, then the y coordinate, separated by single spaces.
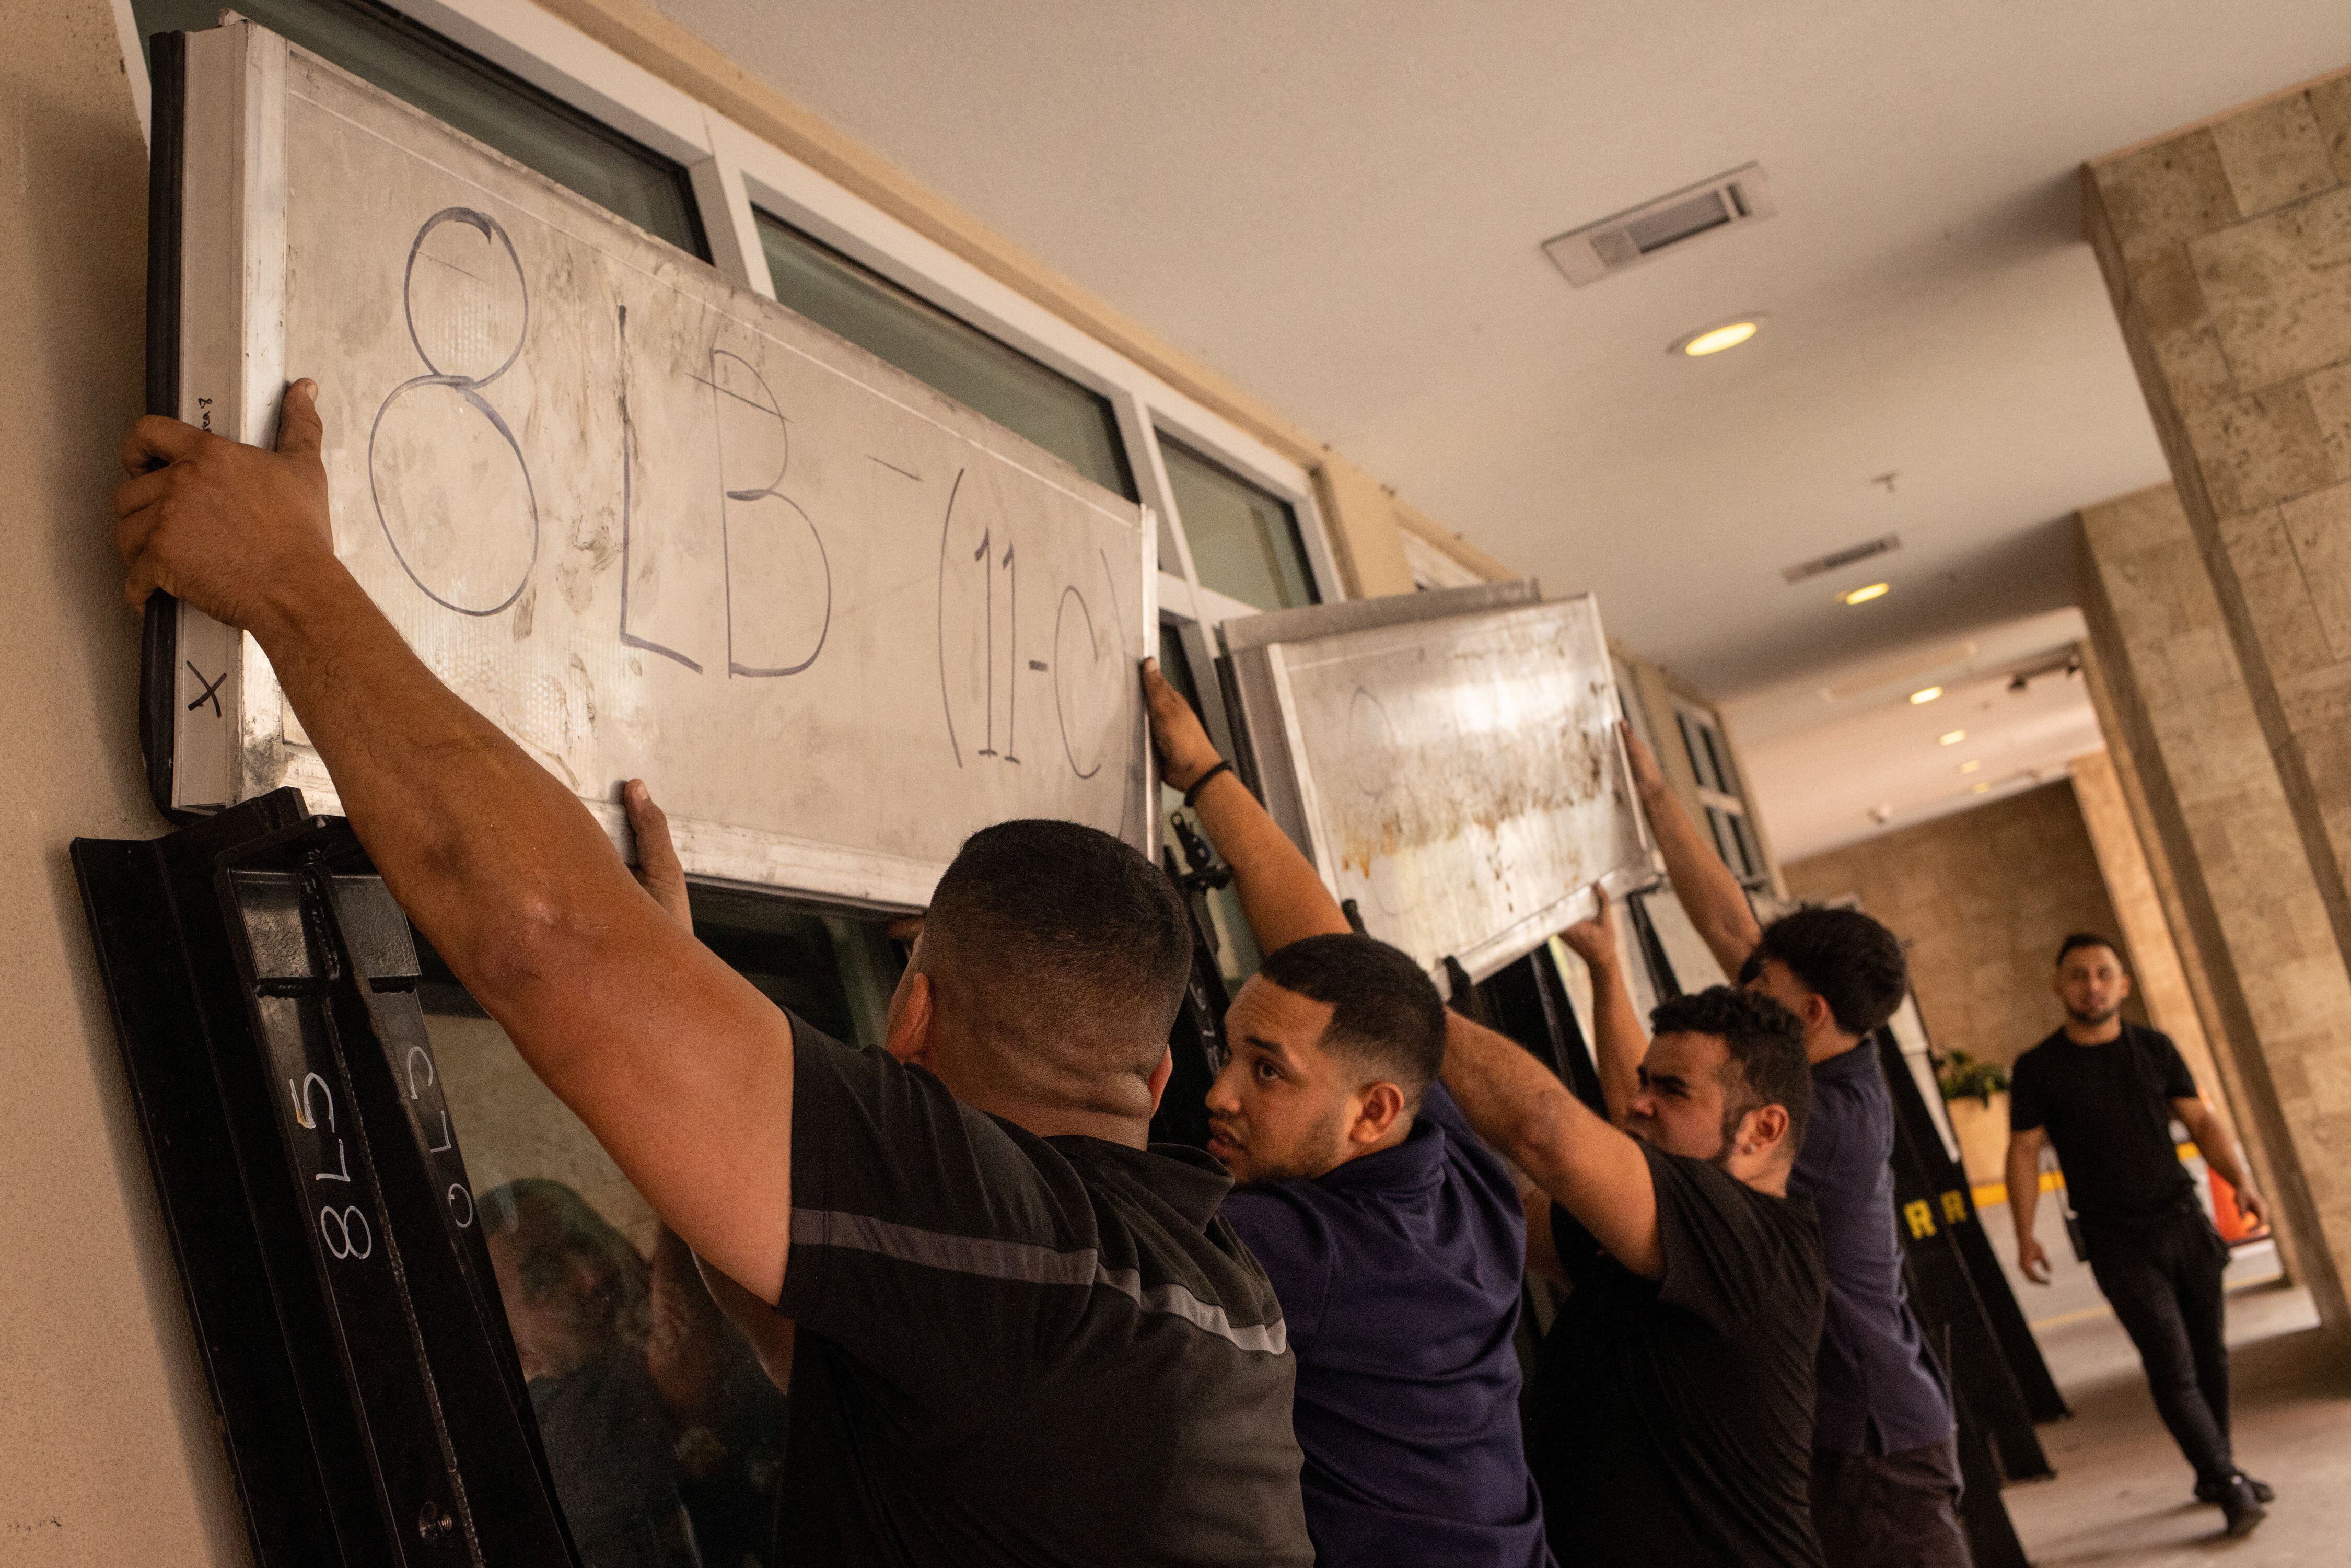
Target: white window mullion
pixel 724 201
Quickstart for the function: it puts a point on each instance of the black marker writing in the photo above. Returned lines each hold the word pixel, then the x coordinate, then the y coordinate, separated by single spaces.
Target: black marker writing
pixel 210 694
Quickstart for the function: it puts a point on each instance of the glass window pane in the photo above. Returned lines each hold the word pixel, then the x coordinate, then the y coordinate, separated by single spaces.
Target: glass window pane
pixel 663 1433
pixel 1245 540
pixel 1229 930
pixel 1074 423
pixel 1725 844
pixel 1719 749
pixel 1702 760
pixel 487 103
pixel 1751 854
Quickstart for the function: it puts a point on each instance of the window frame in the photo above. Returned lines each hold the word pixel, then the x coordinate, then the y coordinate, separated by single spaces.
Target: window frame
pixel 1730 803
pixel 730 170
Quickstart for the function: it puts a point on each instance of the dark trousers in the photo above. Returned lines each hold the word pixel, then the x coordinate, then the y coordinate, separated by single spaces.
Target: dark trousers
pixel 2163 1279
pixel 1889 1510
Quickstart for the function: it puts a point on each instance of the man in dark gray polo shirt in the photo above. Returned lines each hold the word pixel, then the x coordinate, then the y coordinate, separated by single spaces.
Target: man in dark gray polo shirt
pixel 1885 1471
pixel 1025 1338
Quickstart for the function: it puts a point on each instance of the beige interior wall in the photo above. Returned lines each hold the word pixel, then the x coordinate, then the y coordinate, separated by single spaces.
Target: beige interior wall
pixel 107 1449
pixel 1981 900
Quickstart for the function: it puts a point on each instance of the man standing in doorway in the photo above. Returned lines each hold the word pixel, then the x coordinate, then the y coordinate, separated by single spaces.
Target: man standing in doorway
pixel 2105 1093
pixel 1885 1461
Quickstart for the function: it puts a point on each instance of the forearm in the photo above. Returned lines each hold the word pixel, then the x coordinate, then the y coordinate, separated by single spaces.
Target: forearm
pixel 1279 891
pixel 2219 1149
pixel 1589 1168
pixel 1618 1040
pixel 481 845
pixel 1714 901
pixel 1508 1098
pixel 2024 1188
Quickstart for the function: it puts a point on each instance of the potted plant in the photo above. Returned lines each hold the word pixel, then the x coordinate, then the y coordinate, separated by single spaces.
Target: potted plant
pixel 1976 1094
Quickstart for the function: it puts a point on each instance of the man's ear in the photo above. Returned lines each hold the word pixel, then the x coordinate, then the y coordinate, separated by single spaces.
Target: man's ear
pixel 1819 1015
pixel 1382 1103
pixel 909 1037
pixel 1158 1081
pixel 1765 1127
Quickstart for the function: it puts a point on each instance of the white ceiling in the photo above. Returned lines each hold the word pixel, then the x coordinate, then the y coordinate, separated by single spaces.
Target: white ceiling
pixel 1339 206
pixel 1845 755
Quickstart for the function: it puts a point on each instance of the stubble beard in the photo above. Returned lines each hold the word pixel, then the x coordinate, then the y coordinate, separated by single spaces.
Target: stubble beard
pixel 2092 1020
pixel 1321 1138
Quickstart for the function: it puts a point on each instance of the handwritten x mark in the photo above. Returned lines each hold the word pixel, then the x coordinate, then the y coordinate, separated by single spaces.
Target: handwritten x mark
pixel 210 694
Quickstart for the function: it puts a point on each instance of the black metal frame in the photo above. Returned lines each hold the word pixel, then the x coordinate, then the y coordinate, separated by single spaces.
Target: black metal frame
pixel 262 985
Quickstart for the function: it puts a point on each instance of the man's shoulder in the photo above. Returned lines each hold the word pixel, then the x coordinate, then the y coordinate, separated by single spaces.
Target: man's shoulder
pixel 2039 1056
pixel 1714 1187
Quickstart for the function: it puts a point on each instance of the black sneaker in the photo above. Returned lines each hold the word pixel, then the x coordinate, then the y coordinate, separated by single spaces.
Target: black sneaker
pixel 2263 1491
pixel 2242 1507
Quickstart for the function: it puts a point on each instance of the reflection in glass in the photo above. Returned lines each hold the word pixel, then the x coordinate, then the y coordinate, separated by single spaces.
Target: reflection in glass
pixel 379 45
pixel 1244 540
pixel 664 1435
pixel 1073 422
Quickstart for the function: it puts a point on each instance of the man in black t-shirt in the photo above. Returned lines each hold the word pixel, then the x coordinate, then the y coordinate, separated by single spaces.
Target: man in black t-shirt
pixel 1025 1338
pixel 2105 1093
pixel 1671 1414
pixel 1885 1467
pixel 1015 1344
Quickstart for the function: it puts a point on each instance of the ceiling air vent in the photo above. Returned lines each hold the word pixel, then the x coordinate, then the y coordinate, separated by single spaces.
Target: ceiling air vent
pixel 1845 557
pixel 1612 244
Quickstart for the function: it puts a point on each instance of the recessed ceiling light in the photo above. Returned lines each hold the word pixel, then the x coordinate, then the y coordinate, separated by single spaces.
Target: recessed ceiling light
pixel 1971 765
pixel 1713 340
pixel 1863 595
pixel 1926 695
pixel 1980 789
pixel 1951 738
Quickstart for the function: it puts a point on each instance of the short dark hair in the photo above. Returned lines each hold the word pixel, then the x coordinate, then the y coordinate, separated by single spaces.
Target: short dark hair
pixel 2086 939
pixel 1765 1040
pixel 1848 960
pixel 1073 949
pixel 1384 1011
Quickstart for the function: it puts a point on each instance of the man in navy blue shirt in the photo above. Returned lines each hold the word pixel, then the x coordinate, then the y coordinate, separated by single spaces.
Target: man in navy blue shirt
pixel 1395 1240
pixel 1884 1465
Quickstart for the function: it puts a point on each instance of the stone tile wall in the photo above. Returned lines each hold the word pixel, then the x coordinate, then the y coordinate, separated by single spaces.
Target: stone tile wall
pixel 2174 694
pixel 1981 900
pixel 2227 248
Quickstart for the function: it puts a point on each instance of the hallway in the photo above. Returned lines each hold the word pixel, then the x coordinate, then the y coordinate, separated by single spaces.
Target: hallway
pixel 2121 1494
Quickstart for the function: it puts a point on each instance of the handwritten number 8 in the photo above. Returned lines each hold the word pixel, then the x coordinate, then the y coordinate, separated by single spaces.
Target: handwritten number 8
pixel 350 1236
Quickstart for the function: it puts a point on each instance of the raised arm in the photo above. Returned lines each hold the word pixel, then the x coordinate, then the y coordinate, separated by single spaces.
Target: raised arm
pixel 678 1066
pixel 1279 891
pixel 1714 901
pixel 1618 1040
pixel 1591 1170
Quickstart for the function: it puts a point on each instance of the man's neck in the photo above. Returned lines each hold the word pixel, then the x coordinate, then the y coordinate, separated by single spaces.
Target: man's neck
pixel 1398 1131
pixel 1771 1183
pixel 1827 1044
pixel 1054 1121
pixel 2105 1033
